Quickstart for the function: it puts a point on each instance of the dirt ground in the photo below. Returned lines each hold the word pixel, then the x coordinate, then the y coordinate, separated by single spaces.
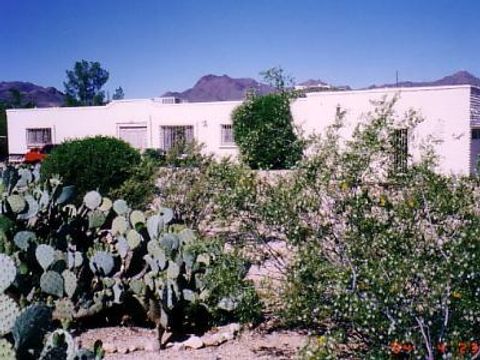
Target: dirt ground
pixel 249 344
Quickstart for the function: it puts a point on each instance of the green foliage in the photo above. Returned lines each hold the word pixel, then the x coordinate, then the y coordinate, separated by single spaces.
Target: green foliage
pixel 101 163
pixel 118 94
pixel 202 196
pixel 387 259
pixel 264 132
pixel 140 188
pixel 230 294
pixel 84 84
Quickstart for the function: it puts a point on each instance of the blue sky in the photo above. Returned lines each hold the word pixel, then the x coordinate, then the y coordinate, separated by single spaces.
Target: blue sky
pixel 151 46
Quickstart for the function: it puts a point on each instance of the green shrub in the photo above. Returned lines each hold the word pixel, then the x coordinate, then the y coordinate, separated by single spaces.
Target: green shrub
pixel 390 263
pixel 100 162
pixel 140 188
pixel 264 132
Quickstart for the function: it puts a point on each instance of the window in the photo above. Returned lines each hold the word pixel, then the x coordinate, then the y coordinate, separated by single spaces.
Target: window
pixel 134 135
pixel 39 137
pixel 475 134
pixel 171 136
pixel 400 150
pixel 227 135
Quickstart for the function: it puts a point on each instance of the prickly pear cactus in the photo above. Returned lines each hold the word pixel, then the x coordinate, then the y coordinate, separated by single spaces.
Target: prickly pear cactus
pixel 7 272
pixel 70 283
pixel 45 255
pixel 23 239
pixel 17 203
pixel 59 345
pixel 31 326
pixel 8 314
pixel 6 350
pixel 102 263
pixel 51 283
pixel 92 200
pixel 120 207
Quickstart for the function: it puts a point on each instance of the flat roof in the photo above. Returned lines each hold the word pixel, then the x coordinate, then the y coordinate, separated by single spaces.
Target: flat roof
pixel 152 101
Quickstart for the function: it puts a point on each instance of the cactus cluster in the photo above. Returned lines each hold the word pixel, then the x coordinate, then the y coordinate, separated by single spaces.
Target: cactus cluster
pixel 73 261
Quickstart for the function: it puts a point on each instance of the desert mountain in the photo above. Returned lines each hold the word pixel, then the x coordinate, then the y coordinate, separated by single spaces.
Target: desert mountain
pixel 39 96
pixel 220 88
pixel 458 78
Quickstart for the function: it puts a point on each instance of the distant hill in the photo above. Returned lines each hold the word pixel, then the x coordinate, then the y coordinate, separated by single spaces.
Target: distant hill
pixel 38 95
pixel 220 88
pixel 458 78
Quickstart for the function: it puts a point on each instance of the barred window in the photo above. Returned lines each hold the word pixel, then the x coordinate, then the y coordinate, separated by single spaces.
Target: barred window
pixel 227 135
pixel 38 137
pixel 171 136
pixel 400 150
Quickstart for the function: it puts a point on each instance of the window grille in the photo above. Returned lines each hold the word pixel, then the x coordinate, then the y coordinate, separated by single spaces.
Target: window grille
pixel 39 137
pixel 227 135
pixel 171 136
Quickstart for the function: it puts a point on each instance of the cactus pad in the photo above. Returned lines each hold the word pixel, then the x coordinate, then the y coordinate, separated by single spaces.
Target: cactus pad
pixel 102 263
pixel 70 282
pixel 166 214
pixel 92 200
pixel 121 207
pixel 8 314
pixel 51 283
pixel 75 259
pixel 45 255
pixel 134 239
pixel 23 238
pixel 32 208
pixel 122 246
pixel 59 345
pixel 154 223
pixel 31 326
pixel 96 219
pixel 137 217
pixel 119 226
pixel 7 272
pixel 186 236
pixel 6 350
pixel 17 203
pixel 106 205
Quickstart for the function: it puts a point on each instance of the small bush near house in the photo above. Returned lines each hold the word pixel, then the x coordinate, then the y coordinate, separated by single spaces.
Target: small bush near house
pixel 100 162
pixel 140 188
pixel 264 132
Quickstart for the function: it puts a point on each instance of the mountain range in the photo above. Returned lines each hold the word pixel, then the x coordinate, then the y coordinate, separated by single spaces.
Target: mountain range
pixel 207 88
pixel 38 96
pixel 459 78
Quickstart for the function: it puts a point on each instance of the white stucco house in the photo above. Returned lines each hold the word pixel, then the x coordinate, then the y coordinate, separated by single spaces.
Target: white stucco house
pixel 451 113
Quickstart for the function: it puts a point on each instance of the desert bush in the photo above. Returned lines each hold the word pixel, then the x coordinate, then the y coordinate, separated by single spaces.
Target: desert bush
pixel 208 196
pixel 101 163
pixel 387 259
pixel 264 132
pixel 139 189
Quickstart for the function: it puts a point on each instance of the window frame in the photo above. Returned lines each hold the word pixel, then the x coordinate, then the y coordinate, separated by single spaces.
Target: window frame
pixel 37 144
pixel 223 131
pixel 189 135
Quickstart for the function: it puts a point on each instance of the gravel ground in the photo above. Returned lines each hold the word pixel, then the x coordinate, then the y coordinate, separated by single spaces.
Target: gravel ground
pixel 250 344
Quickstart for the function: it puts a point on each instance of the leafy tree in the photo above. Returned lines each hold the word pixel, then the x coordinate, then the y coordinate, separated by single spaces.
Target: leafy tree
pixel 84 84
pixel 119 94
pixel 263 126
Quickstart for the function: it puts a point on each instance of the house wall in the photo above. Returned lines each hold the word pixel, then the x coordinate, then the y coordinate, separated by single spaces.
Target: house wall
pixel 446 110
